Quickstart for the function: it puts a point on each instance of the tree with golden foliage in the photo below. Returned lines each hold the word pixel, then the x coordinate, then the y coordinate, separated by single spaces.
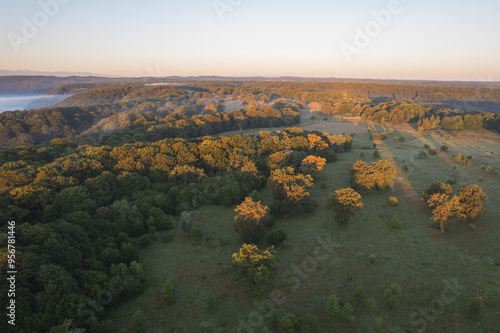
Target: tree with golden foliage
pixel 316 142
pixel 253 264
pixel 345 203
pixel 446 209
pixel 312 165
pixel 187 173
pixel 439 188
pixel 379 175
pixel 471 199
pixel 251 220
pixel 291 186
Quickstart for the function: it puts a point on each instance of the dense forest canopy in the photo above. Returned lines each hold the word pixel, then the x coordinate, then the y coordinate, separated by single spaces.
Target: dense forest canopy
pixel 84 204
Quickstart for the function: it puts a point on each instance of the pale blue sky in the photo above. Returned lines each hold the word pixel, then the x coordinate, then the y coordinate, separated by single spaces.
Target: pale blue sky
pixel 448 40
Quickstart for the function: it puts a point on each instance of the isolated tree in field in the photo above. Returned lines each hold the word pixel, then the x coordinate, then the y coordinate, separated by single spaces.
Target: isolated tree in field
pixel 379 175
pixel 140 324
pixel 253 264
pixel 168 292
pixel 471 200
pixel 251 220
pixel 311 165
pixel 446 209
pixel 332 305
pixel 345 203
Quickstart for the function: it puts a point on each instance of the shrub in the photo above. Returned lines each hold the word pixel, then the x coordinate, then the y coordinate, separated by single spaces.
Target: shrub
pixel 393 201
pixel 402 139
pixel 370 303
pixel 314 117
pixel 167 238
pixel 332 305
pixel 432 152
pixel 210 300
pixel 145 240
pixel 255 196
pixel 379 321
pixel 393 302
pixel 472 226
pixel 309 324
pixel 392 294
pixel 376 153
pixel 395 222
pixel 168 292
pixel 376 136
pixel 362 155
pixel 444 147
pixel 476 307
pixel 372 257
pixel 359 293
pixel 451 181
pixel 391 131
pixel 422 154
pixel 383 135
pixel 197 233
pixel 140 324
pixel 288 323
pixel 427 146
pixel 276 237
pixel 347 312
pixel 275 314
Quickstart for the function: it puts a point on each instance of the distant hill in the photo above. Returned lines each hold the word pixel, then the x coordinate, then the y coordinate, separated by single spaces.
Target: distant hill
pixel 41 84
pixel 17 83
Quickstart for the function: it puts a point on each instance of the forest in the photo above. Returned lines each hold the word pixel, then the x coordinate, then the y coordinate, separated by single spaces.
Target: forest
pixel 84 204
pixel 151 112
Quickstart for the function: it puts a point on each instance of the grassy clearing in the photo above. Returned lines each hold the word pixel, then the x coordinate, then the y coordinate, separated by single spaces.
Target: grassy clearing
pixel 416 255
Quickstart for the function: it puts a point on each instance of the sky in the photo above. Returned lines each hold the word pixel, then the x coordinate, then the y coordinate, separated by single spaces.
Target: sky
pixel 392 39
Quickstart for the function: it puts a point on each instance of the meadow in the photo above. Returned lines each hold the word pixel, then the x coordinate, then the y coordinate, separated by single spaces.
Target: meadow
pixel 450 282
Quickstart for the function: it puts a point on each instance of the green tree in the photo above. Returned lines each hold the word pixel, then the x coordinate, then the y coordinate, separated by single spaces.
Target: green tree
pixel 332 305
pixel 140 324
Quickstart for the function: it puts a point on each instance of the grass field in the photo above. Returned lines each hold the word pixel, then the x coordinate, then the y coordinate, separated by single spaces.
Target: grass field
pixel 440 274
